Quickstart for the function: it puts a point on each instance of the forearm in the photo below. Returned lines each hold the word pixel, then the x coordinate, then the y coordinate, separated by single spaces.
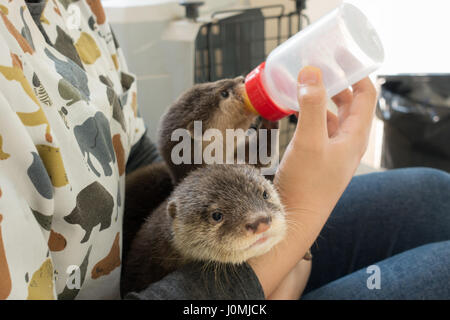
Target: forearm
pixel 303 228
pixel 293 285
pixel 316 168
pixel 306 214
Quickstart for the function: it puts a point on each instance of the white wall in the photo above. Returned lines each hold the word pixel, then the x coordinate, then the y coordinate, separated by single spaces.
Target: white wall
pixel 314 8
pixel 166 9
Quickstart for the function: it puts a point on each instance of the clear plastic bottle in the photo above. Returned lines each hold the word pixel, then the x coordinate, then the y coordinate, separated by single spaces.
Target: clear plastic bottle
pixel 343 44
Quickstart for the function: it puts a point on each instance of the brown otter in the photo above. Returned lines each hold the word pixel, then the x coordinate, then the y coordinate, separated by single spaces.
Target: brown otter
pixel 218 105
pixel 145 189
pixel 218 213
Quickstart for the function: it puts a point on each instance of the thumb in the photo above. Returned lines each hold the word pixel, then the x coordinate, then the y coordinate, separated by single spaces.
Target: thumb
pixel 312 99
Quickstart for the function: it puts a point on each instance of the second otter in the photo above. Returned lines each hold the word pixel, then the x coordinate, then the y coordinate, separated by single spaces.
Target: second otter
pixel 218 213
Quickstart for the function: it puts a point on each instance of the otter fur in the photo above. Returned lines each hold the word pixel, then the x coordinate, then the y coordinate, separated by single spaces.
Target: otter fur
pixel 145 189
pixel 218 105
pixel 217 214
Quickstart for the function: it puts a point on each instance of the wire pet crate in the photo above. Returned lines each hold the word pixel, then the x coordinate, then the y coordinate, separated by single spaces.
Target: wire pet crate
pixel 237 41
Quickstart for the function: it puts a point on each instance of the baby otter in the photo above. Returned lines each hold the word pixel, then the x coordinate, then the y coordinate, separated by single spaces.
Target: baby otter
pixel 218 105
pixel 218 213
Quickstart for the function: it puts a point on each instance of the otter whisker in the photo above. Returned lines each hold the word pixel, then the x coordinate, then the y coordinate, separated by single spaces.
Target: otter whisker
pixel 297 226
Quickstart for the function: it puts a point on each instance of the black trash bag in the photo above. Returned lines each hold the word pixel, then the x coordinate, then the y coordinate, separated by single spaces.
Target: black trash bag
pixel 416 114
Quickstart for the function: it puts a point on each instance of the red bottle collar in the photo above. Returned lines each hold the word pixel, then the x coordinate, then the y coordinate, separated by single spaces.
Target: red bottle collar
pixel 260 99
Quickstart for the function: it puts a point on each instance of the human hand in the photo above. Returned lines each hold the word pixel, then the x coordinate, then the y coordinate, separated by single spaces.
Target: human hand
pixel 325 149
pixel 318 164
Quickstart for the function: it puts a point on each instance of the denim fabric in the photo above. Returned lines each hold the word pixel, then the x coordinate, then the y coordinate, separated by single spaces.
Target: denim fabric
pixel 398 220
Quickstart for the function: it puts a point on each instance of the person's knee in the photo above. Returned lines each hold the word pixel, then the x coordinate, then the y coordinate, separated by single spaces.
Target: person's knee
pixel 433 193
pixel 427 266
pixel 438 249
pixel 419 273
pixel 430 181
pixel 431 176
pixel 421 197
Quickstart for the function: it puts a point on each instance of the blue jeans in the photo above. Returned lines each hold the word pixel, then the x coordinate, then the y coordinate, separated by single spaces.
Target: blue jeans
pixel 397 220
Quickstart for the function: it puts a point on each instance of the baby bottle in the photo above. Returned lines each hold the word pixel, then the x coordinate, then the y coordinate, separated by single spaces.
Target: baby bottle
pixel 343 44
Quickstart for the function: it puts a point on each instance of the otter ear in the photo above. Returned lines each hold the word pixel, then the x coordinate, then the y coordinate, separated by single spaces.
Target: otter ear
pixel 172 209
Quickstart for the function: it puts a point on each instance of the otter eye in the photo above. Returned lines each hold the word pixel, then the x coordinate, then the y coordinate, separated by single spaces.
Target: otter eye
pixel 217 216
pixel 265 195
pixel 225 94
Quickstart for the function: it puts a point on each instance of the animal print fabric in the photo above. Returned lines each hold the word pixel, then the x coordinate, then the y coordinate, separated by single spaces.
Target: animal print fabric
pixel 68 119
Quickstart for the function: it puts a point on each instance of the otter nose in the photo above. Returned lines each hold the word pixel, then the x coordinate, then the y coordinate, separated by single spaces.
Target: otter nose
pixel 260 225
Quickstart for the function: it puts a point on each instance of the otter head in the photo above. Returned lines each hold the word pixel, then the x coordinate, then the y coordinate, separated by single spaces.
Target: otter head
pixel 218 105
pixel 225 213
